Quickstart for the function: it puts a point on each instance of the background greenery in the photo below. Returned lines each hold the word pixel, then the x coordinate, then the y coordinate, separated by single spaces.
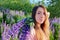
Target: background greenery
pixel 53 6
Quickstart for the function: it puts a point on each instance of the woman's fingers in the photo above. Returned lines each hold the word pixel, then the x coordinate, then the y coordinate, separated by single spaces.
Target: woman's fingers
pixel 47 14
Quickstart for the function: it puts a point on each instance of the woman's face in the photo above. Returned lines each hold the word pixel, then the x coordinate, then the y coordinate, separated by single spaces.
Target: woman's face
pixel 40 16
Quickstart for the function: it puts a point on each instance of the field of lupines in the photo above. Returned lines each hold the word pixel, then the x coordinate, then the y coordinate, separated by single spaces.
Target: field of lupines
pixel 11 29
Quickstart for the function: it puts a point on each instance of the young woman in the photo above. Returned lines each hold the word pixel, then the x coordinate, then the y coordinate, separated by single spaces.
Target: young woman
pixel 39 31
pixel 41 21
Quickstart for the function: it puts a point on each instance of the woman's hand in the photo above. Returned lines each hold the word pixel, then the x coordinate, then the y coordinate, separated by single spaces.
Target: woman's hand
pixel 48 14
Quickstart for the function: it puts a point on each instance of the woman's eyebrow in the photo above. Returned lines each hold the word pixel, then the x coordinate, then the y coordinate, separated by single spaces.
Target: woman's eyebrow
pixel 39 11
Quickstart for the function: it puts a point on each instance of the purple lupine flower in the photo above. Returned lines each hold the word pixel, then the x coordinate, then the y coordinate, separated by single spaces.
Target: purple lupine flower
pixel 5 35
pixel 52 21
pixel 17 26
pixel 55 20
pixel 25 31
pixel 7 10
pixel 14 30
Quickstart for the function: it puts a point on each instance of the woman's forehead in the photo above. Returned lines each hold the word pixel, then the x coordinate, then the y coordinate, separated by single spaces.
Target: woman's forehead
pixel 40 9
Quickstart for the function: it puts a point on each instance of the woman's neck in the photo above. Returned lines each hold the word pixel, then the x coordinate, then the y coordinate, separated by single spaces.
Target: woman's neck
pixel 37 26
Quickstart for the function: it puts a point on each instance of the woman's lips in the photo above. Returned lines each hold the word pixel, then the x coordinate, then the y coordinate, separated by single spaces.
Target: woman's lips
pixel 41 20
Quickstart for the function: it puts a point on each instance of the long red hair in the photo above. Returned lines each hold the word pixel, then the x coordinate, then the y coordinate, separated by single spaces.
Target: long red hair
pixel 45 25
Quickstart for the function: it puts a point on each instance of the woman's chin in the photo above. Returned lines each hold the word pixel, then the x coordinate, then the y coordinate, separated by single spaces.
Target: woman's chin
pixel 40 22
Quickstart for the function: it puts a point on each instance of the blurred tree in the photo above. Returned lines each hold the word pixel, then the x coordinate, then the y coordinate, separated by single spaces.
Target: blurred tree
pixel 54 8
pixel 24 5
pixel 57 29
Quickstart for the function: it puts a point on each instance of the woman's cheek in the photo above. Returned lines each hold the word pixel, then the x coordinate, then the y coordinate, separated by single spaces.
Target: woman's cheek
pixel 38 20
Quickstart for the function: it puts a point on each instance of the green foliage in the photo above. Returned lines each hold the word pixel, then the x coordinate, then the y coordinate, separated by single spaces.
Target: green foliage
pixel 4 17
pixel 24 5
pixel 56 33
pixel 13 19
pixel 1 20
pixel 8 21
pixel 29 20
pixel 18 18
pixel 51 36
pixel 54 8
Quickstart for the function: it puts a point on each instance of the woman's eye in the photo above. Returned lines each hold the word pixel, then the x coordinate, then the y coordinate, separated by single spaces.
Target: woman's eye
pixel 44 13
pixel 38 13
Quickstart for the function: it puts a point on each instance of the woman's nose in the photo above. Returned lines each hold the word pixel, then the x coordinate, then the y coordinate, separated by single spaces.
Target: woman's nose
pixel 42 16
